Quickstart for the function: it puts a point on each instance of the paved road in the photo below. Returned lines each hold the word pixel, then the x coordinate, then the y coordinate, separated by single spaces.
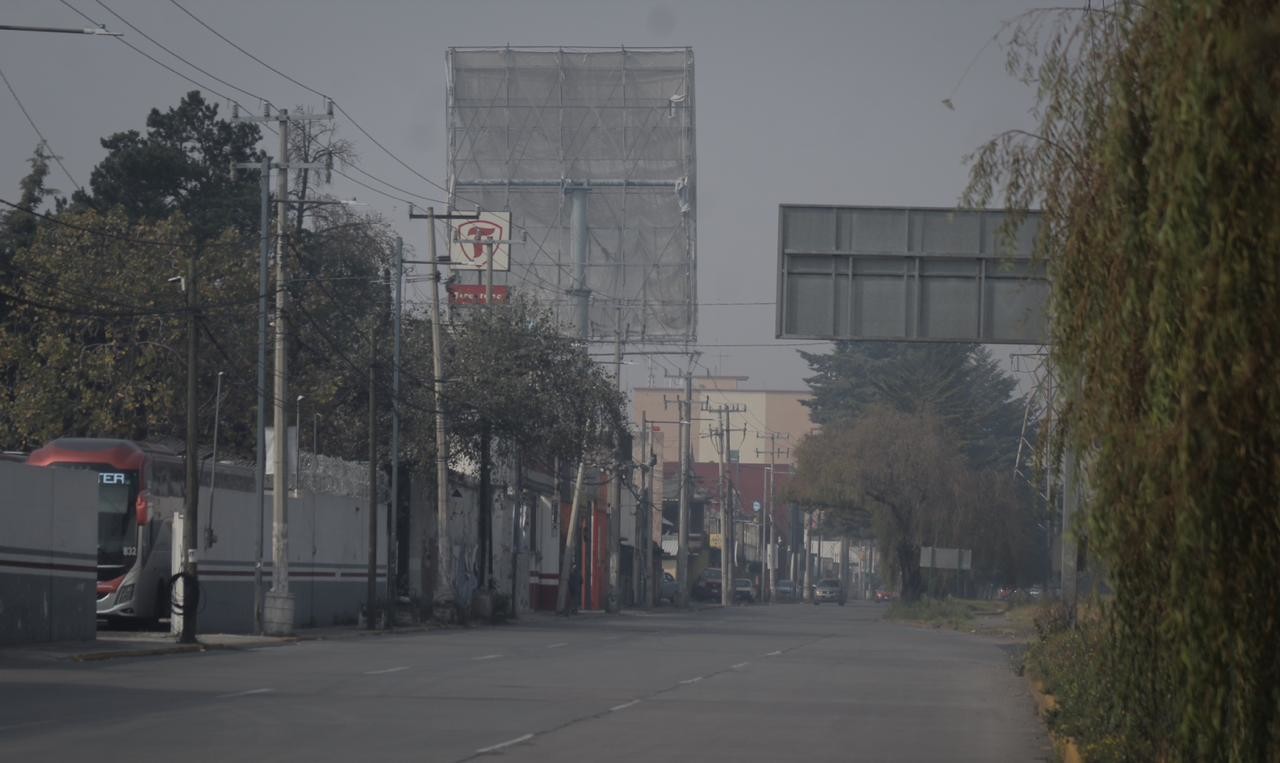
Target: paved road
pixel 782 683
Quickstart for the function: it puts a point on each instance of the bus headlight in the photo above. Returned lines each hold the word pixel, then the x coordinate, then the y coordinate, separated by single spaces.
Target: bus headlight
pixel 125 594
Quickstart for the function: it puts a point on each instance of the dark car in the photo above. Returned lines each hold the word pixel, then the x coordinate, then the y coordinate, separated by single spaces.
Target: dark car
pixel 744 590
pixel 667 589
pixel 828 590
pixel 708 586
pixel 785 590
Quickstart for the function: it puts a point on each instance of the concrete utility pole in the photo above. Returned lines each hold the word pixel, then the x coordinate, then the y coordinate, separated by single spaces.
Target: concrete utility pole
pixel 278 606
pixel 571 539
pixel 768 530
pixel 443 593
pixel 727 530
pixel 372 593
pixel 844 565
pixel 808 561
pixel 393 542
pixel 642 567
pixel 190 526
pixel 686 455
pixel 613 602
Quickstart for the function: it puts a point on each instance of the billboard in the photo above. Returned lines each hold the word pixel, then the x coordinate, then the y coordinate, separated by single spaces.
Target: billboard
pixel 909 273
pixel 529 127
pixel 472 241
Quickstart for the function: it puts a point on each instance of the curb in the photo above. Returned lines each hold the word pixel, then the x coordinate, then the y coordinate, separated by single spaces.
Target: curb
pixel 1066 747
pixel 157 651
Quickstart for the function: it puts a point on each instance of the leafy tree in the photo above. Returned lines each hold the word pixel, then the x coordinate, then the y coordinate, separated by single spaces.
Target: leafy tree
pixel 1157 166
pixel 95 329
pixel 519 376
pixel 899 469
pixel 181 164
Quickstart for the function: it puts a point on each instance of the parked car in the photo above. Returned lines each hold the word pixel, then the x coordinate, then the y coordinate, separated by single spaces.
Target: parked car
pixel 1036 592
pixel 744 590
pixel 667 589
pixel 883 595
pixel 828 589
pixel 707 588
pixel 785 589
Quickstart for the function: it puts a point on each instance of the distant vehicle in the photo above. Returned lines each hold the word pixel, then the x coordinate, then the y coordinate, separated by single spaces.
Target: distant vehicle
pixel 882 596
pixel 667 591
pixel 707 588
pixel 744 590
pixel 828 589
pixel 785 589
pixel 1035 592
pixel 133 546
pixel 1005 592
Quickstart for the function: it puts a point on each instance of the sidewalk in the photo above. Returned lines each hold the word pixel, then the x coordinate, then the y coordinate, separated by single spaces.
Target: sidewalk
pixel 122 644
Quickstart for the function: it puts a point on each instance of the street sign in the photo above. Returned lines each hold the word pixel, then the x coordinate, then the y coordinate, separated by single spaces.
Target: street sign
pixel 467 247
pixel 473 294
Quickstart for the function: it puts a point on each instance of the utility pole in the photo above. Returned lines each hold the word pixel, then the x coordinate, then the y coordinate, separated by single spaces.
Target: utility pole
pixel 372 593
pixel 768 530
pixel 808 562
pixel 571 538
pixel 727 529
pixel 393 513
pixel 641 568
pixel 443 593
pixel 278 606
pixel 190 526
pixel 613 602
pixel 685 406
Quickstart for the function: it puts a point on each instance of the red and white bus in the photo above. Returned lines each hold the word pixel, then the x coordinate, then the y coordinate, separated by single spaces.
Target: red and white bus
pixel 133 543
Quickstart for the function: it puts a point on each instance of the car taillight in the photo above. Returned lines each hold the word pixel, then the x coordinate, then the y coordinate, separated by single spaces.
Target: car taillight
pixel 141 508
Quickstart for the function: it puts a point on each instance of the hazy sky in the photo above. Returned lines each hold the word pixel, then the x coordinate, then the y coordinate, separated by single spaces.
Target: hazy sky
pixel 798 101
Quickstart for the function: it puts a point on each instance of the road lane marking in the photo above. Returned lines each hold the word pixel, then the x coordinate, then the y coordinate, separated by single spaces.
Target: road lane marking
pixel 624 705
pixel 244 693
pixel 558 644
pixel 385 670
pixel 691 680
pixel 508 743
pixel 487 657
pixel 774 654
pixel 740 665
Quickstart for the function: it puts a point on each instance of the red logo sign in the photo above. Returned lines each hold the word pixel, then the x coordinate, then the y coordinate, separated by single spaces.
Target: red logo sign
pixel 472 236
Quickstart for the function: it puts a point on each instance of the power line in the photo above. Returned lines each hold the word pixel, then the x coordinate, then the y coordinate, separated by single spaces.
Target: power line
pixel 161 46
pixel 155 60
pixel 53 154
pixel 220 36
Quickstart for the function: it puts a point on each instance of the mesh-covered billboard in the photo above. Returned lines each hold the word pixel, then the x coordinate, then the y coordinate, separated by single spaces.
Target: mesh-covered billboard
pixel 528 126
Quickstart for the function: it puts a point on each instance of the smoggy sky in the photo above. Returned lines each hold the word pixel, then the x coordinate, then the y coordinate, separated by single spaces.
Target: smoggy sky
pixel 800 101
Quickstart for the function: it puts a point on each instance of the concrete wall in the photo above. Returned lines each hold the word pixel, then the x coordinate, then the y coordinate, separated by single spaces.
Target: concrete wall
pixel 48 554
pixel 328 558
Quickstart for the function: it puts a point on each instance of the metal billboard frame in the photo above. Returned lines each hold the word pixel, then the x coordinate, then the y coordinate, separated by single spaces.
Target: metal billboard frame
pixel 932 274
pixel 592 151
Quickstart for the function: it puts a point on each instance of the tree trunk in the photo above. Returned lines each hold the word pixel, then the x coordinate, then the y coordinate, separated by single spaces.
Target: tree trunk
pixel 909 569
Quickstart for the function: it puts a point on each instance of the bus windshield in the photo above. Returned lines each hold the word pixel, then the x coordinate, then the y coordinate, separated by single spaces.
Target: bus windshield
pixel 117 520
